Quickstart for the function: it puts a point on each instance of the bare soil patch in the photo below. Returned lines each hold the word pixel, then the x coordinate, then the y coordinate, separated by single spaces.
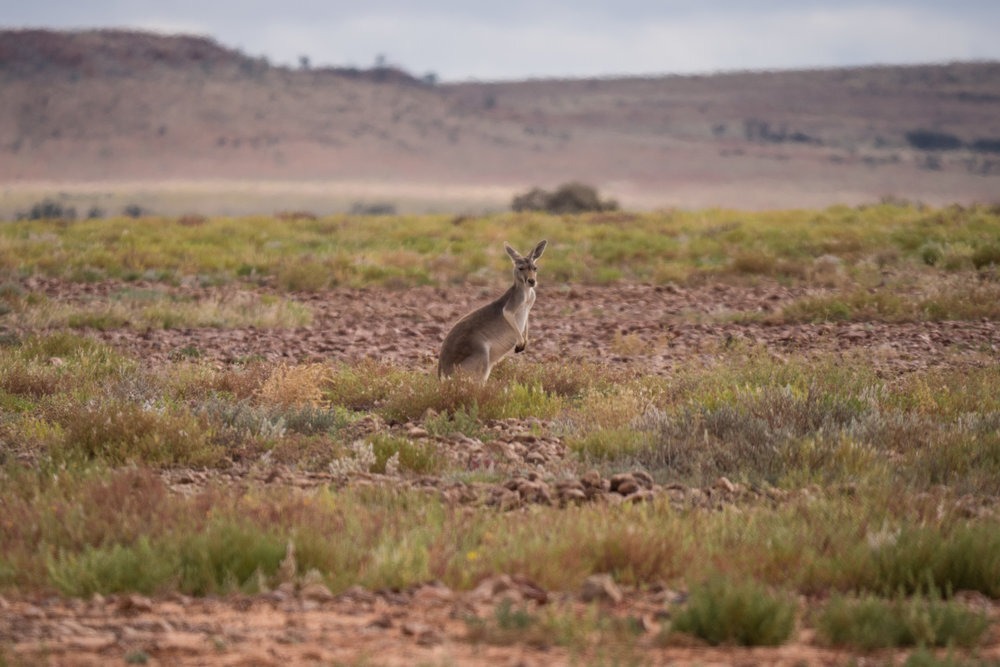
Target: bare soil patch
pixel 651 328
pixel 309 626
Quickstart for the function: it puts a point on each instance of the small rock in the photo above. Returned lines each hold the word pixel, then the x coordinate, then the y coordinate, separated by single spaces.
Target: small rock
pixel 358 594
pixel 316 592
pixel 413 628
pixel 433 594
pixel 643 478
pixel 601 588
pixel 723 484
pixel 274 597
pixel 505 499
pixel 381 621
pixel 529 590
pixel 569 484
pixel 591 479
pixel 425 634
pixel 535 458
pixel 535 492
pixel 627 487
pixel 621 479
pixel 135 604
pixel 31 611
pixel 493 586
pixel 641 496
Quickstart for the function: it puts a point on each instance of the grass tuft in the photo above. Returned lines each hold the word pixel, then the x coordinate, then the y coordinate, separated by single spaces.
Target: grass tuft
pixel 116 432
pixel 870 623
pixel 726 611
pixel 965 558
pixel 294 386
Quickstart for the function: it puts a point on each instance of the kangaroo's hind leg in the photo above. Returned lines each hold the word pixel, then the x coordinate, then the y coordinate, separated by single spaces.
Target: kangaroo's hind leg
pixel 477 364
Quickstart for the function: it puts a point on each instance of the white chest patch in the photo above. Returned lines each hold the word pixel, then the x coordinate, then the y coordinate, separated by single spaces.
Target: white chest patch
pixel 521 314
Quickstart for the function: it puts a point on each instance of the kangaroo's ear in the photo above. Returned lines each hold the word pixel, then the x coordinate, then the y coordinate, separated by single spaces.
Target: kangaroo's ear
pixel 539 249
pixel 514 255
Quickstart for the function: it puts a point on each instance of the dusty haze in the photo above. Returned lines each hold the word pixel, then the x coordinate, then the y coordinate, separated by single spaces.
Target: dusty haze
pixel 181 124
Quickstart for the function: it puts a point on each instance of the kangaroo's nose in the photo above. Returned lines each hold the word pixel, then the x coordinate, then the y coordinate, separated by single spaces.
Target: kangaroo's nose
pixel 531 281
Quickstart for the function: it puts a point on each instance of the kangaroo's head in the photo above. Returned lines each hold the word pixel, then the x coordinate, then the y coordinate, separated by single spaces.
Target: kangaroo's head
pixel 525 269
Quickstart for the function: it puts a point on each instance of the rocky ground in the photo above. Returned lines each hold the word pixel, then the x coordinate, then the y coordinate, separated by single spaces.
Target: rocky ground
pixel 653 329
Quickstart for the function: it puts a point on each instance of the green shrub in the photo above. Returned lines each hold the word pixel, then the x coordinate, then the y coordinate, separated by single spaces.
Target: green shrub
pixel 570 197
pixel 964 558
pixel 305 275
pixel 139 567
pixel 47 209
pixel 461 421
pixel 229 555
pixel 931 253
pixel 987 255
pixel 871 623
pixel 367 384
pixel 726 611
pixel 405 455
pixel 117 432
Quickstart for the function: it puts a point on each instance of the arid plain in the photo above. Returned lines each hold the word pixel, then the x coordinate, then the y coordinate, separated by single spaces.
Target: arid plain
pixel 221 437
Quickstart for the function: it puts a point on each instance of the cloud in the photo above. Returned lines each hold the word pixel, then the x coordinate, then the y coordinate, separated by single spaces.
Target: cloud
pixel 803 36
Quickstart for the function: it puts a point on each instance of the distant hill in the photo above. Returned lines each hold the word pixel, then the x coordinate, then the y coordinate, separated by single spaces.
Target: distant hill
pixel 109 106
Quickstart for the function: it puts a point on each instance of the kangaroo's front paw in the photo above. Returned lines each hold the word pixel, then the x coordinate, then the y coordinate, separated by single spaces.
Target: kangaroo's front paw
pixel 520 347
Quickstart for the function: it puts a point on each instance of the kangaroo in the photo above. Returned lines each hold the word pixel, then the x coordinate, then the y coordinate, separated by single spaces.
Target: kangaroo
pixel 488 334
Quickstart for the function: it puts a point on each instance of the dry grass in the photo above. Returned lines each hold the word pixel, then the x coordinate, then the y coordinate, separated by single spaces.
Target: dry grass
pixel 157 309
pixel 294 386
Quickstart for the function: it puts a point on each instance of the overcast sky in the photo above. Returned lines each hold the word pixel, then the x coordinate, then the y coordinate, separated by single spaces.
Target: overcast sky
pixel 516 39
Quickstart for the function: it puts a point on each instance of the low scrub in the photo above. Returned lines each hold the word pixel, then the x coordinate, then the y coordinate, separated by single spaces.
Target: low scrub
pixel 158 310
pixel 408 395
pixel 726 611
pixel 570 197
pixel 117 433
pixel 90 526
pixel 829 247
pixel 964 558
pixel 553 625
pixel 954 302
pixel 869 623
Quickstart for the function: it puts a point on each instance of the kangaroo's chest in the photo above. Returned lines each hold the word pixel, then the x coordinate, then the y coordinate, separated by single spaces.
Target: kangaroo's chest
pixel 522 309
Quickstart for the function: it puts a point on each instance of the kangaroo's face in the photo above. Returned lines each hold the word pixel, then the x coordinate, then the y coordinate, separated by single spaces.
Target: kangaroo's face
pixel 525 268
pixel 525 272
